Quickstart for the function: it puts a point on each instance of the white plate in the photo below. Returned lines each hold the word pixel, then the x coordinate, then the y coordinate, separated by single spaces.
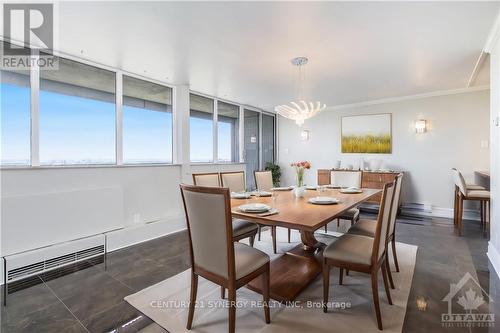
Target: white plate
pixel 263 194
pixel 286 188
pixel 323 201
pixel 351 190
pixel 310 187
pixel 332 186
pixel 254 208
pixel 235 195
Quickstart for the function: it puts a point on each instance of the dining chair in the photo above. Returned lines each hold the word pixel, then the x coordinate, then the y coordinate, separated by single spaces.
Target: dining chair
pixel 264 182
pixel 362 254
pixel 206 179
pixel 241 228
pixel 346 178
pixel 234 180
pixel 464 191
pixel 217 258
pixel 367 227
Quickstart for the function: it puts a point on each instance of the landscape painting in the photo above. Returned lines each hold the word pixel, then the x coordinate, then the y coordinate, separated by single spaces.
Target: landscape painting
pixel 370 134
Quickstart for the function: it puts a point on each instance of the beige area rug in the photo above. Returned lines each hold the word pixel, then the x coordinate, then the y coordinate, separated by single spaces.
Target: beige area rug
pixel 166 302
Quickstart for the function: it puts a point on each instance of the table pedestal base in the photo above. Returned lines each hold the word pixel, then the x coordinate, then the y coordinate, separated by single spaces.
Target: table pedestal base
pixel 293 271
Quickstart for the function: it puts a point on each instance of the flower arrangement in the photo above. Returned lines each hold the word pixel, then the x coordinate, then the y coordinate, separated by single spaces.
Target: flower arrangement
pixel 300 167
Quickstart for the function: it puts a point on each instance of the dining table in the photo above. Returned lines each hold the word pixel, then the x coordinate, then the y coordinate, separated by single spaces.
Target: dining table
pixel 294 270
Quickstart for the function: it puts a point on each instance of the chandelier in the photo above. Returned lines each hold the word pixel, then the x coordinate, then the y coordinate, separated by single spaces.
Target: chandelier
pixel 300 110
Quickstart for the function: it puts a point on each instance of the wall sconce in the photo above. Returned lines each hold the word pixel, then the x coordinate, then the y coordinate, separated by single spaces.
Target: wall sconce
pixel 421 126
pixel 304 135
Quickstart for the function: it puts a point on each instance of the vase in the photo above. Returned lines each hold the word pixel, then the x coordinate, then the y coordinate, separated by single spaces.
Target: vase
pixel 299 191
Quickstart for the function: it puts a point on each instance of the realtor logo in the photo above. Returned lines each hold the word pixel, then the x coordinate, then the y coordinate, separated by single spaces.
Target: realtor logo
pixel 467 305
pixel 27 27
pixel 29 24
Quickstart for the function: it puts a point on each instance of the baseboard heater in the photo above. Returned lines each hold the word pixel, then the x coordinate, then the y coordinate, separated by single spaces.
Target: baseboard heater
pixel 24 265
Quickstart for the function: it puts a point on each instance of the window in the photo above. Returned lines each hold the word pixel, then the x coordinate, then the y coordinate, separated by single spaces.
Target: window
pixel 227 132
pixel 267 139
pixel 251 145
pixel 201 128
pixel 15 110
pixel 77 115
pixel 147 122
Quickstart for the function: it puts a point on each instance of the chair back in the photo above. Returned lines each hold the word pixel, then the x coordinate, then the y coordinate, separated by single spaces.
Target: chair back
pixel 395 203
pixel 346 178
pixel 459 181
pixel 235 181
pixel 206 179
pixel 209 223
pixel 383 221
pixel 263 180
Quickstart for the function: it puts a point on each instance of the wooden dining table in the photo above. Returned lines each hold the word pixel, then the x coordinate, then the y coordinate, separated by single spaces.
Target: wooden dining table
pixel 296 269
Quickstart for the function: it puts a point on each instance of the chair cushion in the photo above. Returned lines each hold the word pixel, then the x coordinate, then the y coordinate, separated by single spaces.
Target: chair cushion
pixel 364 227
pixel 478 194
pixel 351 214
pixel 474 187
pixel 350 248
pixel 247 259
pixel 241 227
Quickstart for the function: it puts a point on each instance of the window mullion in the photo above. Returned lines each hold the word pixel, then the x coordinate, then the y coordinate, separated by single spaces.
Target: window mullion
pixel 119 118
pixel 215 133
pixel 35 114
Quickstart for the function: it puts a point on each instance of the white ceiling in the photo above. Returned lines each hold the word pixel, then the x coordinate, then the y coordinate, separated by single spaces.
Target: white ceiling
pixel 358 51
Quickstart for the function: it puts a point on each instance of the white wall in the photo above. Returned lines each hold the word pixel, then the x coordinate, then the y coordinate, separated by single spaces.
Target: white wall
pixel 457 125
pixel 494 245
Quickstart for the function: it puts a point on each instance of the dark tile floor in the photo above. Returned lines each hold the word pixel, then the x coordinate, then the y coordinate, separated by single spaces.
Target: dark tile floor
pixel 91 300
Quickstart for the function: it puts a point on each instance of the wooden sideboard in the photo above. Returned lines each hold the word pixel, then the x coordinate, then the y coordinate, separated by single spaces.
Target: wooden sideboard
pixel 369 179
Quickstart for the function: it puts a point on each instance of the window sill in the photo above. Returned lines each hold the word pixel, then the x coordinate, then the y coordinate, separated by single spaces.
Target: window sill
pixel 85 166
pixel 217 163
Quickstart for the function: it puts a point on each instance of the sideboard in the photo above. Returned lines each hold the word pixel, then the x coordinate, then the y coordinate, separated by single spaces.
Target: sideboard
pixel 369 179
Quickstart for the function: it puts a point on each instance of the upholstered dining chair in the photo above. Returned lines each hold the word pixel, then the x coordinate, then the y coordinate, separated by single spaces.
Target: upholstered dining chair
pixel 234 180
pixel 241 228
pixel 366 227
pixel 362 254
pixel 206 179
pixel 346 178
pixel 464 191
pixel 264 182
pixel 217 258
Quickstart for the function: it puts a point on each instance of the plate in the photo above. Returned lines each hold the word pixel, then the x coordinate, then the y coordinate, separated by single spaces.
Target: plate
pixel 235 195
pixel 323 201
pixel 263 194
pixel 351 190
pixel 254 208
pixel 286 188
pixel 310 187
pixel 332 186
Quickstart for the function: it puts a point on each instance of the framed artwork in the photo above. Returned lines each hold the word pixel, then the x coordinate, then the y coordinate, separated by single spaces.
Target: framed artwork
pixel 369 134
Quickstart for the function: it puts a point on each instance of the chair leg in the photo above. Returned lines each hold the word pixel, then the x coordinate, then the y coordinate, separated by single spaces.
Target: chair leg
pixel 455 208
pixel 326 227
pixel 273 235
pixel 338 223
pixel 265 294
pixel 394 253
pixel 192 299
pixel 389 274
pixel 326 286
pixel 386 283
pixel 289 234
pixel 259 231
pixel 375 299
pixel 346 272
pixel 460 214
pixel 232 309
pixel 222 292
pixel 251 240
pixel 341 275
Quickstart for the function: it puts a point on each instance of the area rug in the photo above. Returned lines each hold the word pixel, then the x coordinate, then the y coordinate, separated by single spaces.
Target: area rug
pixel 166 302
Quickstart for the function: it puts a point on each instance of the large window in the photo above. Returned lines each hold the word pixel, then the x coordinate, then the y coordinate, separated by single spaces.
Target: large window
pixel 201 128
pixel 77 115
pixel 227 132
pixel 15 117
pixel 147 122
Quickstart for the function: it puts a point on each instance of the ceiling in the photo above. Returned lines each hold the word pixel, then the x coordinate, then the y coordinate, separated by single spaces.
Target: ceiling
pixel 358 51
